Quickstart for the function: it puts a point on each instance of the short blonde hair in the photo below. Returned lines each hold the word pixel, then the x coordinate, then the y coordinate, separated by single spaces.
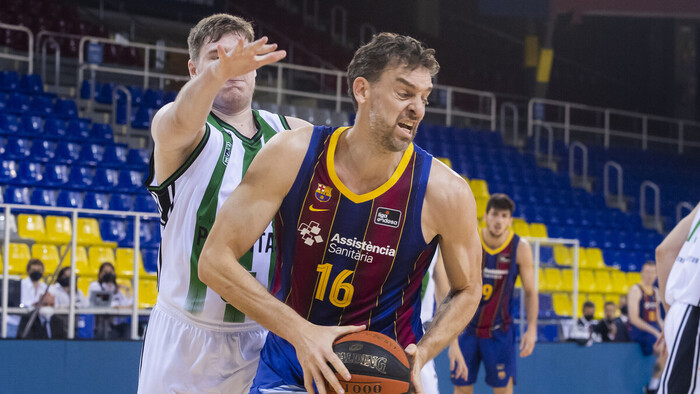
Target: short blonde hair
pixel 213 27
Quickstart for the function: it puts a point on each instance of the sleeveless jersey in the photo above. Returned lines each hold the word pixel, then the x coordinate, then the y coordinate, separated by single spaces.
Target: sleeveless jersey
pixel 188 202
pixel 499 272
pixel 683 284
pixel 648 310
pixel 354 259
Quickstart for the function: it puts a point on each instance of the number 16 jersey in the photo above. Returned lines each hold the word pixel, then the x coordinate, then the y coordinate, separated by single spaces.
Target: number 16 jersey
pixel 348 259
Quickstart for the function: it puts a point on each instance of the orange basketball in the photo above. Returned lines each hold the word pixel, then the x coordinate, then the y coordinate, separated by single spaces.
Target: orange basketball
pixel 376 362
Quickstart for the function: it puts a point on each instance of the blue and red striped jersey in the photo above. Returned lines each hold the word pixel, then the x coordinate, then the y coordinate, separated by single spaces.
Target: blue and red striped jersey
pixel 648 304
pixel 354 259
pixel 499 272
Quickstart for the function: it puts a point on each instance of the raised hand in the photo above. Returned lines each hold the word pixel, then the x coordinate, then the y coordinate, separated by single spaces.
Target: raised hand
pixel 244 58
pixel 314 348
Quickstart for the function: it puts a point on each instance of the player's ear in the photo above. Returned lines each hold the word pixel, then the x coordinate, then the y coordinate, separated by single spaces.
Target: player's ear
pixel 192 68
pixel 360 88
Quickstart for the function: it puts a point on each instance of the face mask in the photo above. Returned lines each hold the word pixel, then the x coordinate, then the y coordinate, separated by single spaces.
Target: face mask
pixel 108 278
pixel 588 317
pixel 623 310
pixel 64 282
pixel 35 275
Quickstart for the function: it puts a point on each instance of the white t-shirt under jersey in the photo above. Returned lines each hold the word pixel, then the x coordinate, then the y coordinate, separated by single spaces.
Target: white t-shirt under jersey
pixel 683 284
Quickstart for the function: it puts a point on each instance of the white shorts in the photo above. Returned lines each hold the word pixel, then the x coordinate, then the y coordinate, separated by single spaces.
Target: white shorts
pixel 682 336
pixel 183 356
pixel 429 379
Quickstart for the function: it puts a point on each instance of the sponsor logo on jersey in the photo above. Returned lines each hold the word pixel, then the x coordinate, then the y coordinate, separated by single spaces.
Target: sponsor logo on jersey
pixel 227 153
pixel 312 209
pixel 387 217
pixel 504 258
pixel 310 233
pixel 358 249
pixel 494 273
pixel 323 192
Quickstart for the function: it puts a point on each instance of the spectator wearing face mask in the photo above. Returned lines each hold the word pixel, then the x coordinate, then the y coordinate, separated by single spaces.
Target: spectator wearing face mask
pixel 61 293
pixel 112 327
pixel 583 331
pixel 32 289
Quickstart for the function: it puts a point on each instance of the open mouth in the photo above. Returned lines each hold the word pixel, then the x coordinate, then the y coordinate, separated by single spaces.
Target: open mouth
pixel 407 126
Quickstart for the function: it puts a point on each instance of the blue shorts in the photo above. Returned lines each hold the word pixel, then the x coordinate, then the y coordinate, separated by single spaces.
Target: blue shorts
pixel 497 353
pixel 278 367
pixel 645 339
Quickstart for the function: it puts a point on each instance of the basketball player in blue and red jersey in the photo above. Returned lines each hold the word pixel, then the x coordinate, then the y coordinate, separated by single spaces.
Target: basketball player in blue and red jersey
pixel 359 213
pixel 643 303
pixel 490 335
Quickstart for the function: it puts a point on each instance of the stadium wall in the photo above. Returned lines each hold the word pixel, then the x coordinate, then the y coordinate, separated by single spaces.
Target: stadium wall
pixel 112 367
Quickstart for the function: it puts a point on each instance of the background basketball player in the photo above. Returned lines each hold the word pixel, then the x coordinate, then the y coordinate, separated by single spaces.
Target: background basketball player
pixel 490 335
pixel 204 142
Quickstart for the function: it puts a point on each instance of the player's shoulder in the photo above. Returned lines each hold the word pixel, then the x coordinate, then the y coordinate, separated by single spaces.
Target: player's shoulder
pixel 445 184
pixel 292 142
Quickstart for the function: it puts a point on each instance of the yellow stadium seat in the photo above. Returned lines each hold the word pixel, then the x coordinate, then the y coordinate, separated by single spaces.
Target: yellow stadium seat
pixel 538 230
pixel 89 234
pixel 19 257
pixel 553 278
pixel 480 188
pixel 520 227
pixel 32 227
pixel 595 258
pixel 84 284
pixel 148 293
pixel 562 304
pixel 82 264
pixel 562 255
pixel 482 224
pixel 633 278
pixel 446 161
pixel 613 298
pixel 582 260
pixel 481 207
pixel 586 281
pixel 58 230
pixel 100 254
pixel 48 254
pixel 603 281
pixel 542 284
pixel 597 299
pixel 567 280
pixel 125 264
pixel 619 282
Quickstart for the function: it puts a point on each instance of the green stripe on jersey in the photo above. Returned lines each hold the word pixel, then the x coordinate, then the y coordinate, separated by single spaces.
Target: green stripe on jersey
pixel 694 230
pixel 206 214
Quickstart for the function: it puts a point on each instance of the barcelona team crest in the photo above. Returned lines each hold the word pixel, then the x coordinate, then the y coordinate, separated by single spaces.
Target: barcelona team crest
pixel 323 192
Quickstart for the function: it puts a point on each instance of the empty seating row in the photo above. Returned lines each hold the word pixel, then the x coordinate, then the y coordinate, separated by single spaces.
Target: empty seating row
pixel 63 176
pixel 139 202
pixel 53 128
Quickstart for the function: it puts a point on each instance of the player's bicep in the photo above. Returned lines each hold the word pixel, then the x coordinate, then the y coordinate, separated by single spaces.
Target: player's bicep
pixel 526 266
pixel 460 246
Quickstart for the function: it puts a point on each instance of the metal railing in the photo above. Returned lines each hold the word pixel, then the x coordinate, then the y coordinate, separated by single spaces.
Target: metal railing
pixel 45 38
pixel 29 58
pixel 655 217
pixel 617 200
pixel 550 143
pixel 580 180
pixel 505 107
pixel 74 214
pixel 608 123
pixel 115 100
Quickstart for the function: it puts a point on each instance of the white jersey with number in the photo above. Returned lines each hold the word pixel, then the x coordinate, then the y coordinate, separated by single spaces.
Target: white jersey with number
pixel 188 202
pixel 683 284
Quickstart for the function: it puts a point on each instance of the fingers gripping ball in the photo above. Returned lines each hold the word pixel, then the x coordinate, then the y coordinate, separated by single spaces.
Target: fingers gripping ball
pixel 376 362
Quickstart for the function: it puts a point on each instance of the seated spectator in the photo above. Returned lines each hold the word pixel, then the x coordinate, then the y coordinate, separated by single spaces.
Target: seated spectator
pixel 582 332
pixel 61 293
pixel 111 327
pixel 611 328
pixel 33 289
pixel 624 315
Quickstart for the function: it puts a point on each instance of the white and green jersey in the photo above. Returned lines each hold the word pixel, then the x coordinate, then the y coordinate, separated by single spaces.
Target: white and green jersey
pixel 188 202
pixel 683 285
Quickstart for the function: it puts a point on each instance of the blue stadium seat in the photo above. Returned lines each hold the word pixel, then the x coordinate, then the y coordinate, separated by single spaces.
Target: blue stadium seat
pixel 596 238
pixel 546 310
pixel 113 230
pixel 105 93
pixel 8 171
pixel 142 118
pixel 66 108
pixel 69 199
pixel 625 240
pixel 3 101
pixel 41 106
pixel 152 99
pixel 115 156
pixel 31 83
pixel 78 130
pixel 67 152
pixel 169 96
pixel 121 202
pixel 138 158
pixel 43 150
pixel 546 255
pixel 9 124
pixel 85 90
pixel 150 259
pixel 29 173
pixel 105 179
pixel 18 103
pixel 149 234
pixel 31 126
pixel 55 175
pixel 44 197
pixel 129 181
pixel 94 200
pixel 101 132
pixel 91 154
pixel 80 178
pixel 145 203
pixel 16 195
pixel 55 128
pixel 9 80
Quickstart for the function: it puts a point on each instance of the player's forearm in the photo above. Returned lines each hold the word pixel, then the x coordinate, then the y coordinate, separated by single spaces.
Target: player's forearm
pixel 451 317
pixel 642 325
pixel 192 105
pixel 532 307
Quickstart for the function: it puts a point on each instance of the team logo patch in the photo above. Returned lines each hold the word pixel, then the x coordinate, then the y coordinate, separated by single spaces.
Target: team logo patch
pixel 387 217
pixel 323 193
pixel 310 233
pixel 504 258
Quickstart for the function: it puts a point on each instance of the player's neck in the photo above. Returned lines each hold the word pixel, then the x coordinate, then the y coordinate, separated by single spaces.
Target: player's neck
pixel 360 165
pixel 241 120
pixel 647 288
pixel 494 242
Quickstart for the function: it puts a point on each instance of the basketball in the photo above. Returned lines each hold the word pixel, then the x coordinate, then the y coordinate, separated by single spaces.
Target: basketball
pixel 376 362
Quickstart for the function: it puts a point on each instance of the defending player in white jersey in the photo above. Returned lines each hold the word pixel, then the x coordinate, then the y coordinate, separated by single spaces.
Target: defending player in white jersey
pixel 436 288
pixel 678 266
pixel 204 142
